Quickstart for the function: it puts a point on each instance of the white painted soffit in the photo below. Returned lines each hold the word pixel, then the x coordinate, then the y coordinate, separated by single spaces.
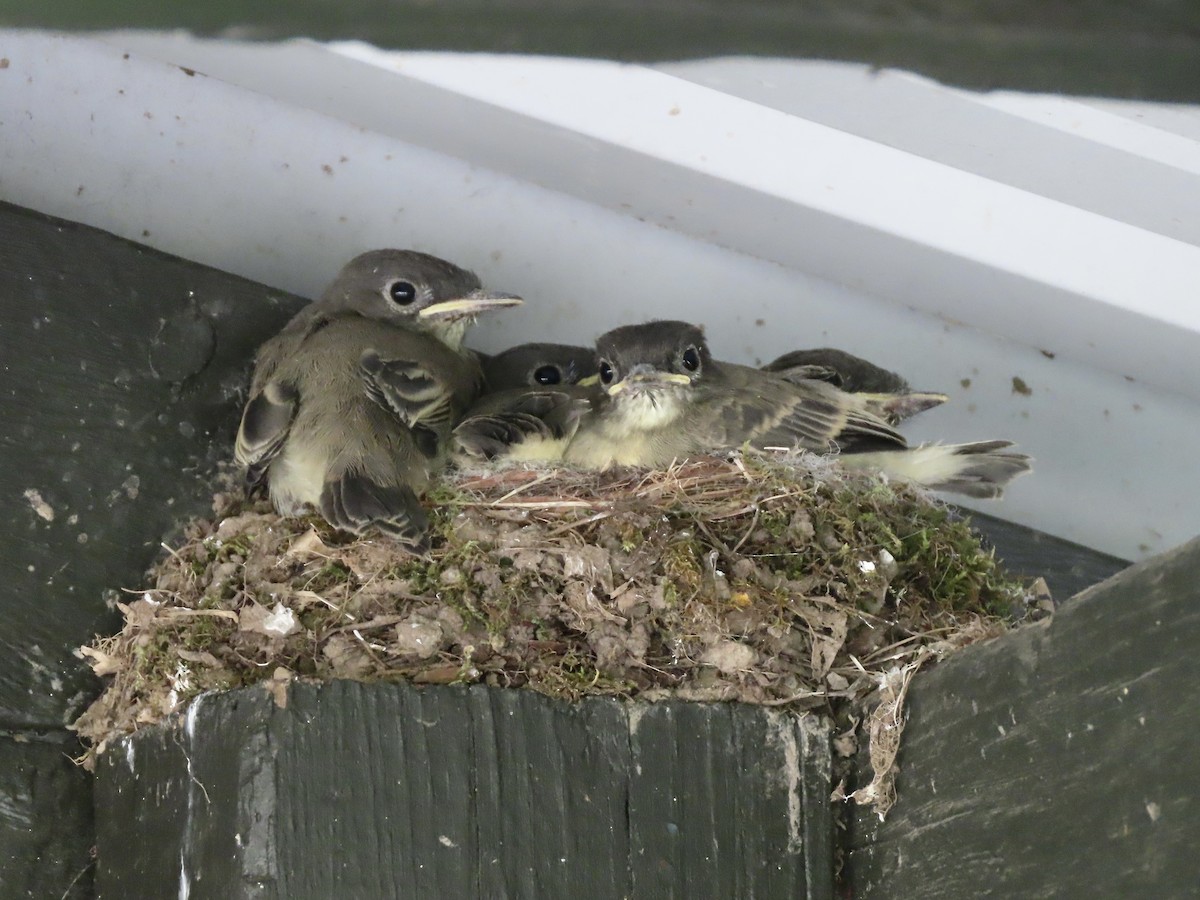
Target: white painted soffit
pixel 1114 281
pixel 1137 163
pixel 922 195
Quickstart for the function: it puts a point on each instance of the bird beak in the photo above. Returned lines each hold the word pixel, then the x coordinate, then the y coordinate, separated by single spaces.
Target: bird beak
pixel 589 381
pixel 647 376
pixel 470 306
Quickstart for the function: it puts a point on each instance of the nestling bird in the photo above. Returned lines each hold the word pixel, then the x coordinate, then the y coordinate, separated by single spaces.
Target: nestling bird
pixel 531 409
pixel 884 393
pixel 545 365
pixel 352 403
pixel 851 373
pixel 665 398
pixel 538 365
pixel 537 394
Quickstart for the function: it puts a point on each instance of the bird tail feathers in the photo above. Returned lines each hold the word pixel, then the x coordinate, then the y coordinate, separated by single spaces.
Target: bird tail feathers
pixel 981 469
pixel 895 408
pixel 354 502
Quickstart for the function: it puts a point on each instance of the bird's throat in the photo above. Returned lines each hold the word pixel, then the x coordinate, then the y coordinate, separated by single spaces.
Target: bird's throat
pixel 646 410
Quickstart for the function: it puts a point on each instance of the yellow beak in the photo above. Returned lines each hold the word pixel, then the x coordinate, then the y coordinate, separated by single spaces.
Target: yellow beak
pixel 473 304
pixel 648 378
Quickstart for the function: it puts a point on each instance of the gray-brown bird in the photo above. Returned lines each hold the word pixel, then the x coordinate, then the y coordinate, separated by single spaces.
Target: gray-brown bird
pixel 545 365
pixel 886 393
pixel 352 403
pixel 666 398
pixel 851 373
pixel 538 366
pixel 521 421
pixel 537 394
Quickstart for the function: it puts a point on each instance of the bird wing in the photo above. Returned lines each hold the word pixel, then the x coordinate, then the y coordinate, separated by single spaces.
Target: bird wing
pixel 809 373
pixel 266 421
pixel 847 371
pixel 768 411
pixel 520 425
pixel 354 502
pixel 268 415
pixel 895 408
pixel 412 390
pixel 405 388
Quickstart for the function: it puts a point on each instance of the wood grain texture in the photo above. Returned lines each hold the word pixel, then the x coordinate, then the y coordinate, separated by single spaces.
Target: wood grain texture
pixel 392 791
pixel 122 374
pixel 122 369
pixel 46 830
pixel 1058 761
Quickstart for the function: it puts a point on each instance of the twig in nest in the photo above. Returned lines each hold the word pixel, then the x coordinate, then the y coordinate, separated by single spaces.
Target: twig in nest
pixel 885 724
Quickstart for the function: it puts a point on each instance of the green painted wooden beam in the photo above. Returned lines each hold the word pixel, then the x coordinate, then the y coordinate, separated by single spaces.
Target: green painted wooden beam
pixel 393 791
pixel 122 370
pixel 46 827
pixel 1058 761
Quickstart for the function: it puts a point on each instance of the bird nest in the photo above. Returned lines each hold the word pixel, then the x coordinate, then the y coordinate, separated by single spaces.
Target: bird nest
pixel 781 581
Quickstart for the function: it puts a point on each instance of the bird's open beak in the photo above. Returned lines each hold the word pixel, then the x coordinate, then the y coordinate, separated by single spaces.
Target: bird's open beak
pixel 471 305
pixel 647 377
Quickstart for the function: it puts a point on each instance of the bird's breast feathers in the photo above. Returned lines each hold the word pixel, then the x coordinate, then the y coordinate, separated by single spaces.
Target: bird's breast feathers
pixel 641 411
pixel 641 429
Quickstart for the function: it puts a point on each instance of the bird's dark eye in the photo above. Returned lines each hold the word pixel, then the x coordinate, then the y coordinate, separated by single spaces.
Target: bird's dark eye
pixel 691 359
pixel 402 293
pixel 547 375
pixel 606 372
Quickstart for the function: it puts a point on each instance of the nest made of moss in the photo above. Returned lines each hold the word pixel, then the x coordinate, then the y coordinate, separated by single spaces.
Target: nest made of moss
pixel 773 580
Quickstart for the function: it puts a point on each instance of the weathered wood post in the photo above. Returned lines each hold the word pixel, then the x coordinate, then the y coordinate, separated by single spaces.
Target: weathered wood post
pixel 395 791
pixel 121 368
pixel 1057 761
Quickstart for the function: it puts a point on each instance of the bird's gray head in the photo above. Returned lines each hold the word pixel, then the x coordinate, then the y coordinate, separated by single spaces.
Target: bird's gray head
pixel 651 369
pixel 539 365
pixel 413 290
pixel 662 352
